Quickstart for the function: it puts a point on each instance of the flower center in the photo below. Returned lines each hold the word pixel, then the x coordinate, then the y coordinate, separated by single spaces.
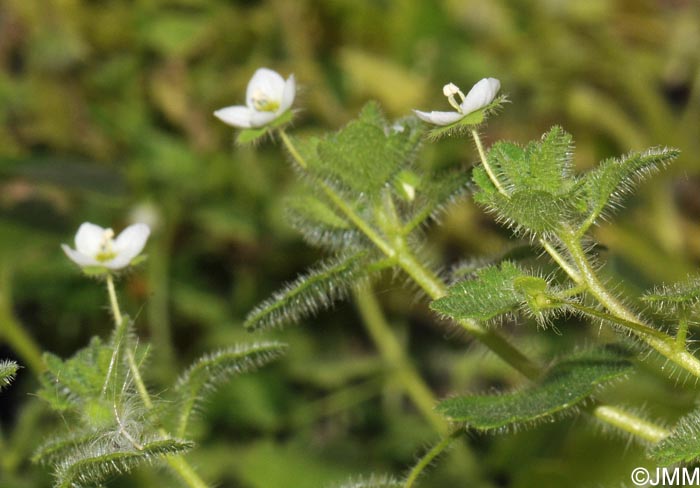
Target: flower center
pixel 450 90
pixel 263 103
pixel 106 251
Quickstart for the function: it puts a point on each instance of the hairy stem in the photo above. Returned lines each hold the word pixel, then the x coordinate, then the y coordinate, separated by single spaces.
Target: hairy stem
pixel 661 342
pixel 425 461
pixel 631 423
pixel 393 354
pixel 176 462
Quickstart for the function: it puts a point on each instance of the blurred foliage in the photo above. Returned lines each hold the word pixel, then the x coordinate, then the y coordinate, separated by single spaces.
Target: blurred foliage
pixel 105 115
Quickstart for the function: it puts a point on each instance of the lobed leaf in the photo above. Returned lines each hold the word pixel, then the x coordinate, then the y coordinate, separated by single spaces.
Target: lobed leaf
pixel 683 445
pixel 365 155
pixel 213 369
pixel 563 386
pixel 319 288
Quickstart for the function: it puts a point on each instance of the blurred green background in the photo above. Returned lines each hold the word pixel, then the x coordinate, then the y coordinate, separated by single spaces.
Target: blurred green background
pixel 105 116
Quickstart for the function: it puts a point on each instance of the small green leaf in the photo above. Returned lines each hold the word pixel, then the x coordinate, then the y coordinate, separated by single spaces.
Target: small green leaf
pixel 8 370
pixel 213 369
pixel 683 445
pixel 247 136
pixel 319 288
pixel 675 297
pixel 366 154
pixel 374 481
pixel 565 385
pixel 495 291
pixel 487 296
pixel 100 460
pixel 615 177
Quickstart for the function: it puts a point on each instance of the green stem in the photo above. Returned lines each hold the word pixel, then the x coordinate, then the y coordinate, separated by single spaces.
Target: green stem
pixel 485 163
pixel 631 423
pixel 176 462
pixel 425 461
pixel 659 341
pixel 393 354
pixel 11 329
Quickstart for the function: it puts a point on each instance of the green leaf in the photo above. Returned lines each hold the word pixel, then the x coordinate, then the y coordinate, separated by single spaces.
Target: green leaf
pixel 495 291
pixel 487 296
pixel 683 445
pixel 367 153
pixel 563 386
pixel 374 481
pixel 615 177
pixel 213 369
pixel 97 461
pixel 675 297
pixel 8 370
pixel 540 192
pixel 530 211
pixel 319 288
pixel 78 379
pixel 319 222
pixel 254 135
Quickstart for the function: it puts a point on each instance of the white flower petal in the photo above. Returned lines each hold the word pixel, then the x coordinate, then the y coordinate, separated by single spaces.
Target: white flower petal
pixel 236 115
pixel 79 258
pixel 439 118
pixel 265 81
pixel 288 94
pixel 119 262
pixel 481 94
pixel 258 119
pixel 130 243
pixel 89 238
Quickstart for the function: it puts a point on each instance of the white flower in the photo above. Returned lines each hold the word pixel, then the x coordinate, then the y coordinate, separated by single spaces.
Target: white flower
pixel 267 97
pixel 95 246
pixel 478 97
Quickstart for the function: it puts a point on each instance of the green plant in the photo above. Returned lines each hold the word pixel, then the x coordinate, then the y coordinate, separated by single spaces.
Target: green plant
pixel 364 198
pixel 116 424
pixel 8 370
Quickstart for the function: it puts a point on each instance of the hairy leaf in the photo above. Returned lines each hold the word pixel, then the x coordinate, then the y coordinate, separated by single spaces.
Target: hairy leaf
pixel 374 481
pixel 490 294
pixel 319 288
pixel 365 155
pixel 683 445
pixel 495 291
pixel 97 461
pixel 320 223
pixel 563 386
pixel 675 297
pixel 69 383
pixel 615 177
pixel 8 370
pixel 538 191
pixel 213 369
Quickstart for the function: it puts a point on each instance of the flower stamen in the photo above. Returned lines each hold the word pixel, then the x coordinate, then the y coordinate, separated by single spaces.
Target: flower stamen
pixel 106 251
pixel 263 103
pixel 450 90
